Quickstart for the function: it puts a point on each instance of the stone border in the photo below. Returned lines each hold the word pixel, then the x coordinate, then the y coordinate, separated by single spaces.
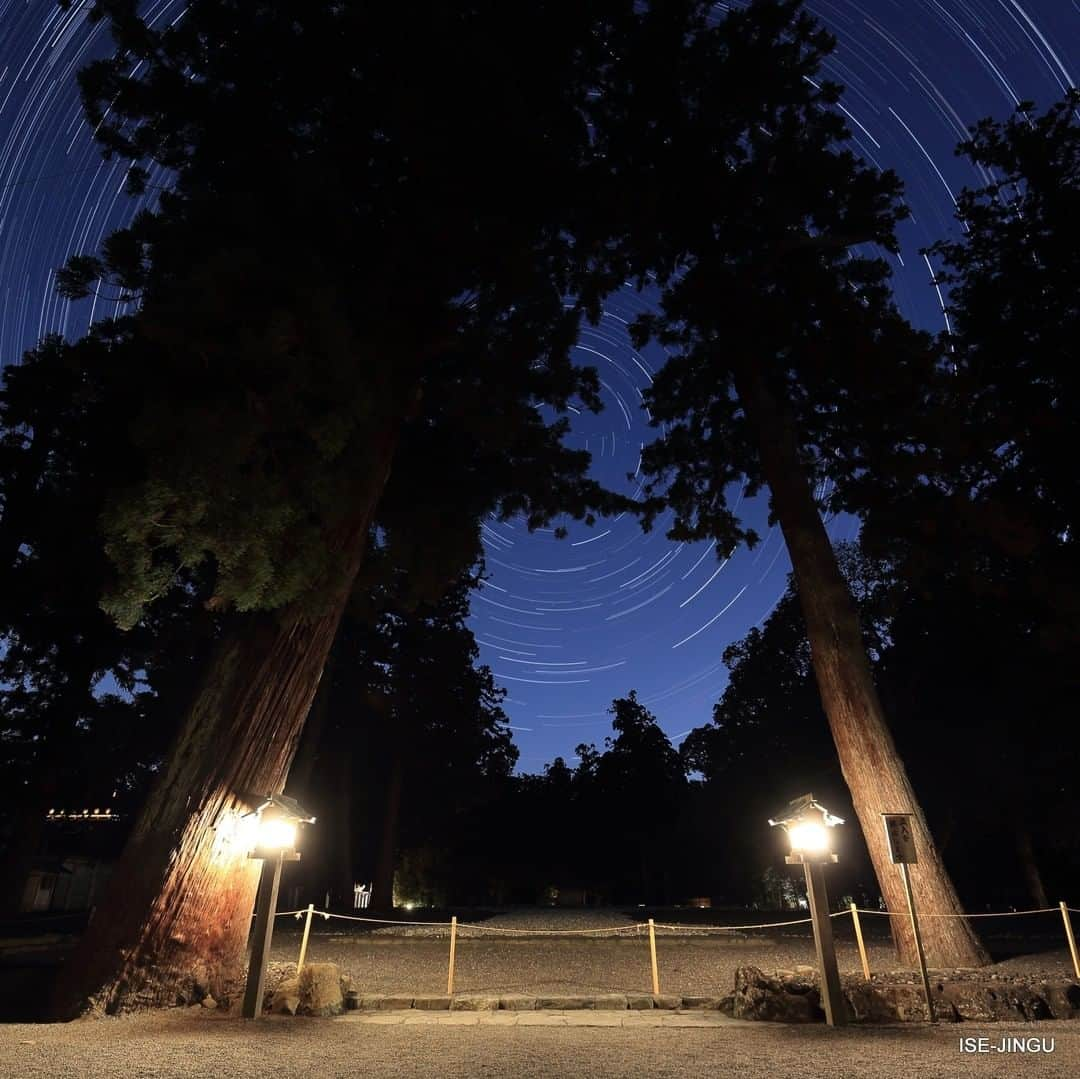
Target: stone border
pixel 518 1002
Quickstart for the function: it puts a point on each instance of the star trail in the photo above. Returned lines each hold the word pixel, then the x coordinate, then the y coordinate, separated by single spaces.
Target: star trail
pixel 568 624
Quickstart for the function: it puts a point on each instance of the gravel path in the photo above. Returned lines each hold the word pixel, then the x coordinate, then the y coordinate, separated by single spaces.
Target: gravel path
pixel 187 1045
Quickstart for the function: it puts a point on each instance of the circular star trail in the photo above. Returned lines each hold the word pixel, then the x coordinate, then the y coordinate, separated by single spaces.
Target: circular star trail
pixel 569 624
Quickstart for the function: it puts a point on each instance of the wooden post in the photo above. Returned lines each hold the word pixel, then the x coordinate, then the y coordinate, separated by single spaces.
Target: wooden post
pixel 832 995
pixel 858 937
pixel 1069 936
pixel 652 956
pixel 918 942
pixel 304 941
pixel 453 947
pixel 269 882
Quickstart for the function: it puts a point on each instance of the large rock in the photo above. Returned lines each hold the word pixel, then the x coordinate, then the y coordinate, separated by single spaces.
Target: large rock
pixel 980 1001
pixel 320 990
pixel 1062 1000
pixel 792 999
pixel 286 998
pixel 886 1003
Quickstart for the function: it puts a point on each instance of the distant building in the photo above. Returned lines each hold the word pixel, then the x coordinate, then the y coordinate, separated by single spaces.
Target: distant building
pixel 78 852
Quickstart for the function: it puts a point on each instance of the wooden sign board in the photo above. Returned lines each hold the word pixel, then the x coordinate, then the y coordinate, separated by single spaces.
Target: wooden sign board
pixel 901 838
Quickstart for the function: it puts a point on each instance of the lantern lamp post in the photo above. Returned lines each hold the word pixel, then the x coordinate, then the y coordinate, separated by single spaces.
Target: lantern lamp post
pixel 275 843
pixel 808 825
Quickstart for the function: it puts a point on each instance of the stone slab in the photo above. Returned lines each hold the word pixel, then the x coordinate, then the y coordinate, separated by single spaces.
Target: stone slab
pixel 431 1003
pixel 517 1002
pixel 474 1002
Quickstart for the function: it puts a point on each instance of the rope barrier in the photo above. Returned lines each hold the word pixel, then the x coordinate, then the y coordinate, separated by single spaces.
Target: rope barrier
pixel 721 928
pixel 614 930
pixel 378 921
pixel 551 932
pixel 989 914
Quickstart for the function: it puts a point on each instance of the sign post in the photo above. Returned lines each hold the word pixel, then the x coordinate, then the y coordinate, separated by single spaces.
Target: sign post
pixel 901 839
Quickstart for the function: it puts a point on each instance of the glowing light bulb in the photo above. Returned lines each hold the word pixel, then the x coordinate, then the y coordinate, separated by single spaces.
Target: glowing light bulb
pixel 277 834
pixel 809 836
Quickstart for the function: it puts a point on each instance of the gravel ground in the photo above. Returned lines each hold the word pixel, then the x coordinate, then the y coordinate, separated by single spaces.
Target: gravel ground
pixel 413 958
pixel 188 1045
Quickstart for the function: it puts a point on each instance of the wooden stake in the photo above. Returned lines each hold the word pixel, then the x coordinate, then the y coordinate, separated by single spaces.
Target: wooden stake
pixel 1069 936
pixel 304 940
pixel 453 948
pixel 652 955
pixel 858 937
pixel 904 872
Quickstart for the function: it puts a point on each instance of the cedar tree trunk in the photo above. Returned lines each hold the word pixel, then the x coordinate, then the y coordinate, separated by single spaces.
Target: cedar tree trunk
pixel 175 921
pixel 871 766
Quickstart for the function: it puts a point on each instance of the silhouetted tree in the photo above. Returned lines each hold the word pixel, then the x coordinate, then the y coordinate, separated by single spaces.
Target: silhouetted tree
pixel 636 790
pixel 354 219
pixel 789 362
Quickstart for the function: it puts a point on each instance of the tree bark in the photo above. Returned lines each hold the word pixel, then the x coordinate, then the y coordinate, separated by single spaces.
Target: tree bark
pixel 383 888
pixel 871 766
pixel 176 918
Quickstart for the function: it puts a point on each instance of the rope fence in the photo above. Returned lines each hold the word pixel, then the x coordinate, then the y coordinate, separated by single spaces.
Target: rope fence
pixel 454 925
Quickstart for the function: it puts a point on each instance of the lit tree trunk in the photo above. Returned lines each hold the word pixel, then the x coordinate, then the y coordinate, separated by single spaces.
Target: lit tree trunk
pixel 177 915
pixel 871 766
pixel 383 888
pixel 313 743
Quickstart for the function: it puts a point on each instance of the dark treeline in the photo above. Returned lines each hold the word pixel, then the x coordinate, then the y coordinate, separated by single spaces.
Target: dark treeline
pixel 255 495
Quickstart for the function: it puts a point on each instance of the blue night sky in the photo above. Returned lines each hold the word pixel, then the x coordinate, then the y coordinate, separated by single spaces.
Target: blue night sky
pixel 569 624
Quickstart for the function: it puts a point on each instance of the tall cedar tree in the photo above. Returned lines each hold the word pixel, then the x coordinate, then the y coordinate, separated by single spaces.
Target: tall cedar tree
pixel 728 183
pixel 357 213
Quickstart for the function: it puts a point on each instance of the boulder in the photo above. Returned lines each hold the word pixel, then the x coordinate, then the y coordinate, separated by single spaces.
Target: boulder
pixel 286 998
pixel 791 999
pixel 1062 1000
pixel 887 1003
pixel 320 990
pixel 979 1001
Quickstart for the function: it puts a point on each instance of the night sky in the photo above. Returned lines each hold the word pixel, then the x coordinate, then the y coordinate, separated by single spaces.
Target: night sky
pixel 569 624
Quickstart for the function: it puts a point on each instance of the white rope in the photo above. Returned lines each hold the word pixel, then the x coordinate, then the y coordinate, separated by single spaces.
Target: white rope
pixel 551 932
pixel 721 928
pixel 990 914
pixel 378 921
